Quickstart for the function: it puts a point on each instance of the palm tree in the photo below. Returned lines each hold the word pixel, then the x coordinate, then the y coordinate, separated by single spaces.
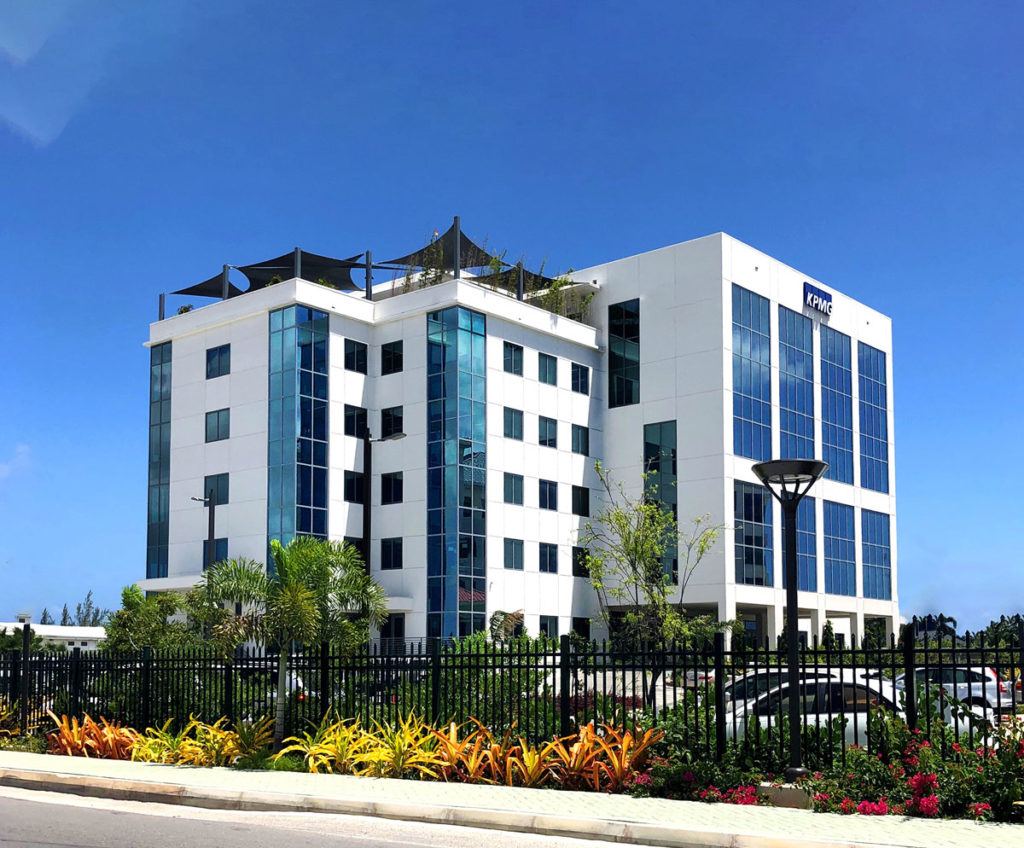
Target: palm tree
pixel 318 591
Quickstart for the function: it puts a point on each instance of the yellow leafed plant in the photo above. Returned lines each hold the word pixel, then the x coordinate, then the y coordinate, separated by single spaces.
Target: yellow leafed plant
pixel 103 740
pixel 406 750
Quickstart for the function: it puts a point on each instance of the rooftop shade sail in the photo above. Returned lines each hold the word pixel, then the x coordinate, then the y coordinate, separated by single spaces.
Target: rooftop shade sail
pixel 212 287
pixel 313 267
pixel 509 279
pixel 470 255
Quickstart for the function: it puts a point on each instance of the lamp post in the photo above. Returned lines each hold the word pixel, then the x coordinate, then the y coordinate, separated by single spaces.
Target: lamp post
pixel 368 443
pixel 209 501
pixel 789 480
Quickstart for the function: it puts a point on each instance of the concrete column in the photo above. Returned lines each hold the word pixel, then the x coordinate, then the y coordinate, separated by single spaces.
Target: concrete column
pixel 727 612
pixel 815 631
pixel 774 617
pixel 858 627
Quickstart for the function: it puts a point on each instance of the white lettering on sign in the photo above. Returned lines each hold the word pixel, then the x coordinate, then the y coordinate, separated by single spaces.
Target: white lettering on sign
pixel 817 299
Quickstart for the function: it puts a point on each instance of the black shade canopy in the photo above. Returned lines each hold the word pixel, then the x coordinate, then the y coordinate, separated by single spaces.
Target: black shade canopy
pixel 213 287
pixel 509 279
pixel 470 255
pixel 337 272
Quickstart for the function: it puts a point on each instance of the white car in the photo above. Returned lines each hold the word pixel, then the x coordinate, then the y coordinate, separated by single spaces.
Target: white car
pixel 753 684
pixel 823 699
pixel 978 687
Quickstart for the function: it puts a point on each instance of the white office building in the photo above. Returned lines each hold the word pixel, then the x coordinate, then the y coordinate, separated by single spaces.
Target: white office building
pixel 487 405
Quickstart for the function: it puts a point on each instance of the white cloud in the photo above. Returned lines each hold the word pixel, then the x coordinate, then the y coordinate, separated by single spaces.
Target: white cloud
pixel 19 461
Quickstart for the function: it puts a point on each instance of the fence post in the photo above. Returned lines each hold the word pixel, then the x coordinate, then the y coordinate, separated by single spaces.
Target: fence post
pixel 909 678
pixel 1020 657
pixel 720 695
pixel 76 681
pixel 16 683
pixel 325 678
pixel 435 680
pixel 26 684
pixel 564 684
pixel 228 707
pixel 146 685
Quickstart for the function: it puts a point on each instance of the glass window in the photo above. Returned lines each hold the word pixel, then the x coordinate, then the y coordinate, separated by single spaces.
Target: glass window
pixel 753 534
pixel 354 491
pixel 547 369
pixel 806 554
pixel 391 485
pixel 548 494
pixel 580 378
pixel 624 353
pixel 547 432
pixel 549 626
pixel 874 418
pixel 660 484
pixel 355 421
pixel 581 627
pixel 390 554
pixel 581 439
pixel 836 406
pixel 218 361
pixel 220 552
pixel 218 425
pixel 218 484
pixel 548 558
pixel 751 375
pixel 391 356
pixel 840 550
pixel 513 423
pixel 580 500
pixel 514 358
pixel 157 525
pixel 580 564
pixel 514 554
pixel 391 421
pixel 513 488
pixel 875 555
pixel 355 356
pixel 796 385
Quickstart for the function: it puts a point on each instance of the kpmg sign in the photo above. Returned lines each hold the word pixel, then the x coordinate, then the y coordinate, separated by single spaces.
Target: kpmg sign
pixel 817 299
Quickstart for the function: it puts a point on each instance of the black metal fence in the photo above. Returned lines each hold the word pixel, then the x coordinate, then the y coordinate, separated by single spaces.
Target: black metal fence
pixel 711 699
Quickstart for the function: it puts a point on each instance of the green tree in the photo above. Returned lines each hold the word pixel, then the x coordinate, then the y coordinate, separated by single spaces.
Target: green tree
pixel 318 591
pixel 626 543
pixel 152 621
pixel 46 618
pixel 65 617
pixel 87 614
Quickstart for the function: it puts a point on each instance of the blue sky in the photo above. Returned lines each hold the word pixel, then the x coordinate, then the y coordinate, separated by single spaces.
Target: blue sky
pixel 875 146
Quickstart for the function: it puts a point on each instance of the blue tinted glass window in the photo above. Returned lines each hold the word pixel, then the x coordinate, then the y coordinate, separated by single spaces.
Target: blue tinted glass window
pixel 390 554
pixel 796 385
pixel 391 421
pixel 549 626
pixel 806 552
pixel 753 534
pixel 157 524
pixel 355 356
pixel 581 439
pixel 218 361
pixel 391 487
pixel 220 552
pixel 836 405
pixel 547 369
pixel 513 423
pixel 580 378
pixel 840 549
pixel 660 483
pixel 581 501
pixel 355 421
pixel 547 434
pixel 354 491
pixel 513 358
pixel 874 418
pixel 218 425
pixel 513 488
pixel 548 494
pixel 548 558
pixel 751 375
pixel 218 485
pixel 875 555
pixel 514 554
pixel 624 353
pixel 391 357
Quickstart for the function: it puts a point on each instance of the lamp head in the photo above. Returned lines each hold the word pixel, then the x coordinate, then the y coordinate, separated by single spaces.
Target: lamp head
pixel 790 479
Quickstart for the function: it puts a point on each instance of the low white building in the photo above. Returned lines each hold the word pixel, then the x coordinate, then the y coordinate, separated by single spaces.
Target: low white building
pixel 697 359
pixel 70 636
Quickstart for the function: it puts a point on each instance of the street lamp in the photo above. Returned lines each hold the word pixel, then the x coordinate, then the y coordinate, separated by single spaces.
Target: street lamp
pixel 209 501
pixel 368 443
pixel 789 480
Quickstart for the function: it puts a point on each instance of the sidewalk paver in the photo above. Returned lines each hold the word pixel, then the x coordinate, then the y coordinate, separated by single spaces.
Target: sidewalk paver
pixel 541 810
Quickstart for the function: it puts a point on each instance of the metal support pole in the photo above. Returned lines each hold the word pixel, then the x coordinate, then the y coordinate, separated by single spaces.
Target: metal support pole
pixel 367 493
pixel 909 678
pixel 435 681
pixel 458 248
pixel 720 741
pixel 795 770
pixel 146 685
pixel 368 293
pixel 297 262
pixel 521 288
pixel 26 671
pixel 160 310
pixel 224 284
pixel 564 685
pixel 76 682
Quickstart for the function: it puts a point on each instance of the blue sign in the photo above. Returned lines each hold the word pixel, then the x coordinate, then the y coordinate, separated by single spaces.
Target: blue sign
pixel 817 299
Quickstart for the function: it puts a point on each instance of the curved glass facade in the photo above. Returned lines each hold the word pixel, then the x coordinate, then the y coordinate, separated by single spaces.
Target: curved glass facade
pixel 456 472
pixel 298 424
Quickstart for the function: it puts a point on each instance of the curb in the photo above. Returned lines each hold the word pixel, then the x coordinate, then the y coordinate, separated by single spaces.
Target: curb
pixel 612 830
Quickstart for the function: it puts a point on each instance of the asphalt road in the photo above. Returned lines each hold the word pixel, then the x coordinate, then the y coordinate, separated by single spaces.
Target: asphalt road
pixel 53 820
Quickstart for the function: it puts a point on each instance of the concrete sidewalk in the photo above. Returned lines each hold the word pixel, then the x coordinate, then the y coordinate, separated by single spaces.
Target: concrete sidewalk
pixel 643 821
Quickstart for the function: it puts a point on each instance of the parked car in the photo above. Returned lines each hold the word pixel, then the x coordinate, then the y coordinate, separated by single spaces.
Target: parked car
pixel 822 699
pixel 753 684
pixel 977 686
